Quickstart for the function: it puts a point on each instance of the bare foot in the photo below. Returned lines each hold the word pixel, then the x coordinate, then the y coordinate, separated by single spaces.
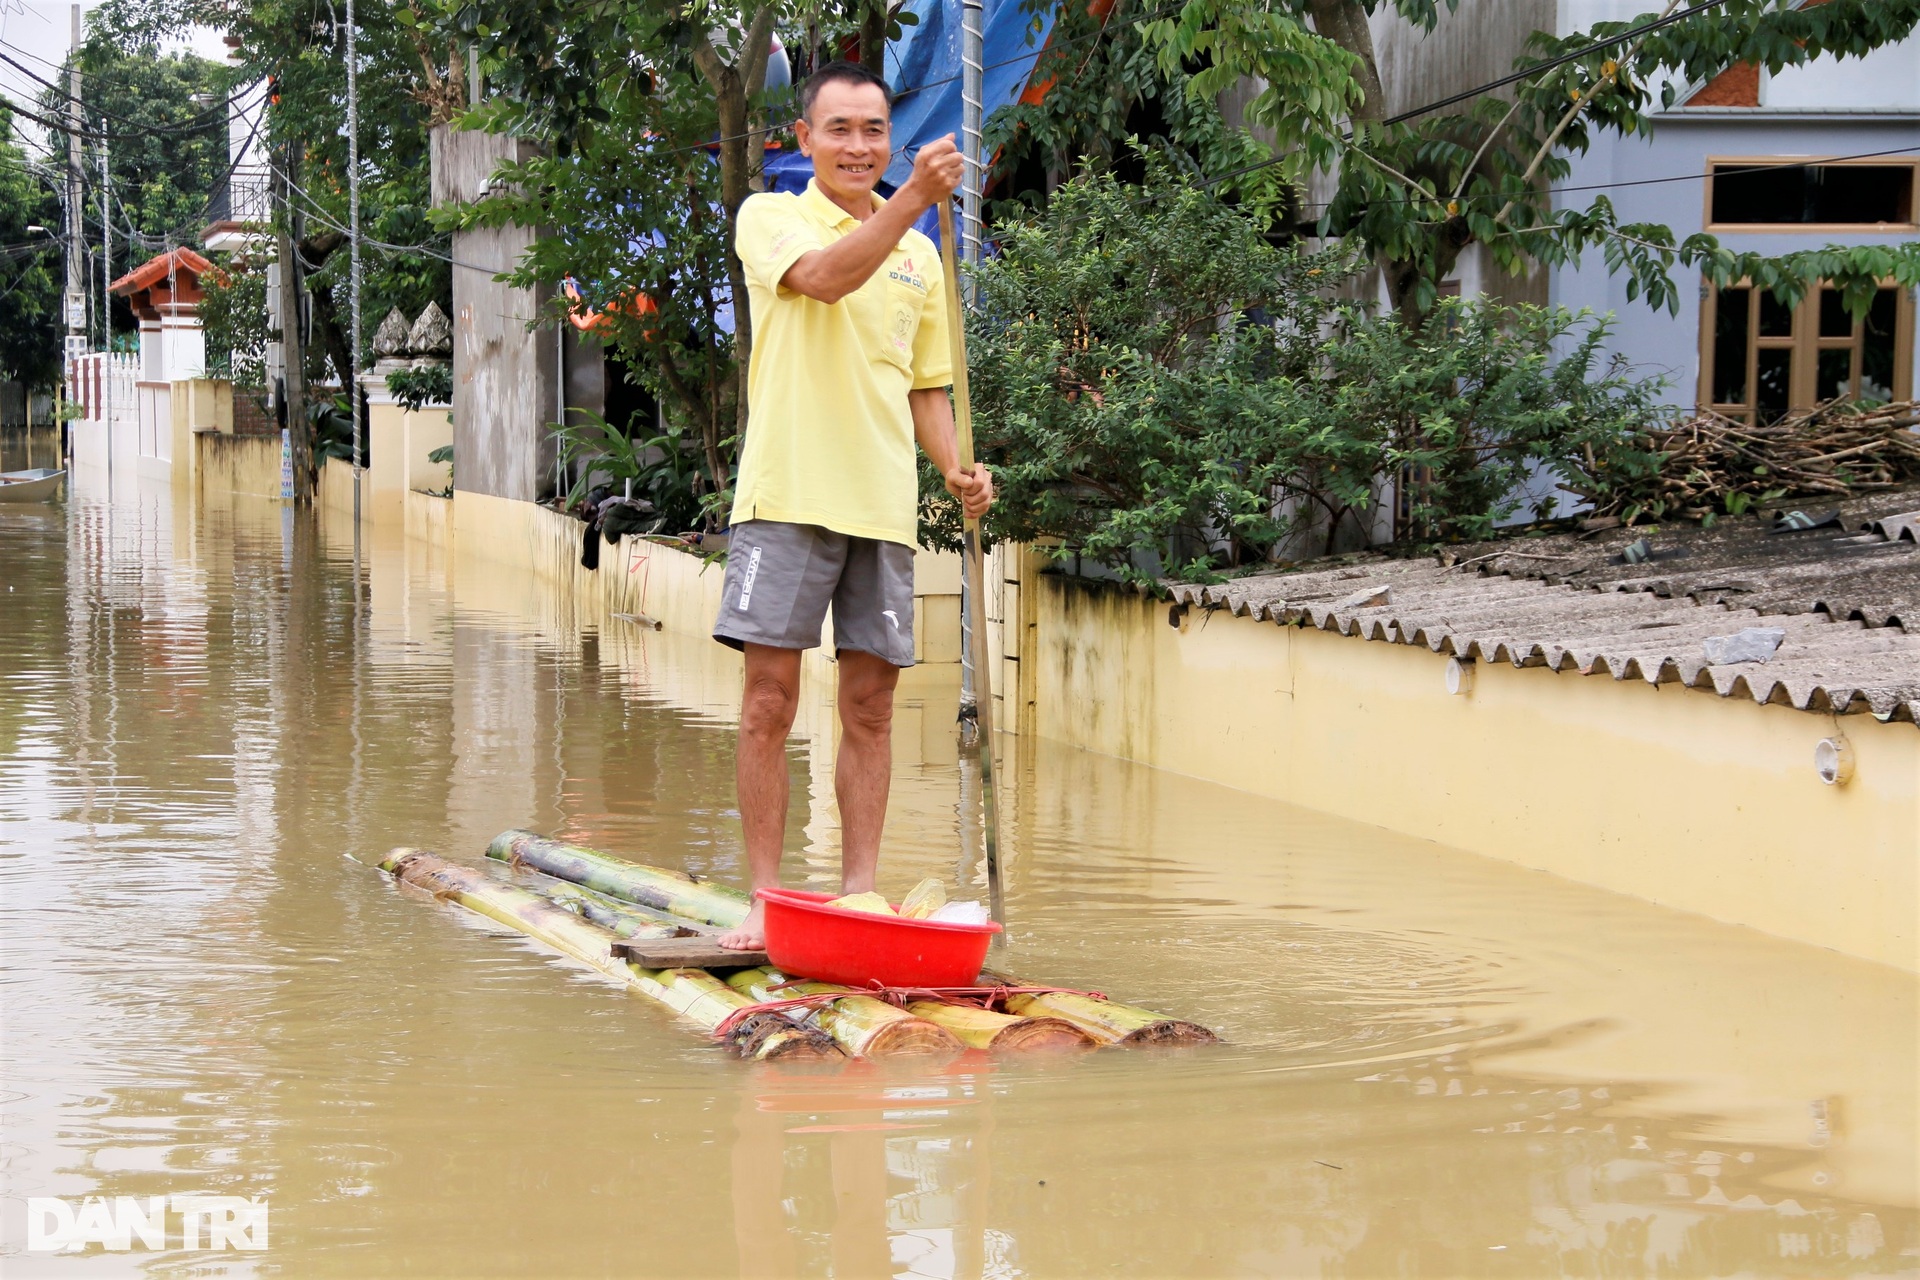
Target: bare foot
pixel 752 933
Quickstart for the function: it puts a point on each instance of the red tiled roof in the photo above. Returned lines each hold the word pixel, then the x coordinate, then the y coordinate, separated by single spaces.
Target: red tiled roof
pixel 158 268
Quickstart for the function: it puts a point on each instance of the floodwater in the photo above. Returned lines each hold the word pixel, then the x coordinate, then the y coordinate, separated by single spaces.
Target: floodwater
pixel 1436 1064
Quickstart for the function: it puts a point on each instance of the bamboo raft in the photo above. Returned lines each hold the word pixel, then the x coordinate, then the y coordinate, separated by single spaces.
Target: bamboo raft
pixel 602 911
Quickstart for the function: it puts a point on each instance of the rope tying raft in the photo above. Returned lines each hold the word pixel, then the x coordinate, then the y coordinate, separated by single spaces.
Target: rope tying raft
pixel 991 998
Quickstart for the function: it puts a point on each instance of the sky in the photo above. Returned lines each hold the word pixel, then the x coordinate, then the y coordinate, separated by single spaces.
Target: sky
pixel 36 34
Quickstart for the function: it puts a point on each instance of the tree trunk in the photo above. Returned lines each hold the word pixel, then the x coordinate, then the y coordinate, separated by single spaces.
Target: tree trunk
pixel 1345 23
pixel 669 891
pixel 873 37
pixel 734 85
pixel 693 993
pixel 1002 1032
pixel 326 319
pixel 1106 1021
pixel 861 1025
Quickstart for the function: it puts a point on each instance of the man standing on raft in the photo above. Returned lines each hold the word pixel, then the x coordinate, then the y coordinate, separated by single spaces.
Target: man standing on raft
pixel 850 367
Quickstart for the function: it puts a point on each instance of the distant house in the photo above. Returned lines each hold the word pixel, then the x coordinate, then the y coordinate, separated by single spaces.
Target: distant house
pixel 1826 153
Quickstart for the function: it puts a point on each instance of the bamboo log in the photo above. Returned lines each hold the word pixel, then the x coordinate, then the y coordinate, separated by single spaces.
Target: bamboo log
pixel 1107 1021
pixel 693 993
pixel 863 1026
pixel 673 892
pixel 622 919
pixel 1002 1032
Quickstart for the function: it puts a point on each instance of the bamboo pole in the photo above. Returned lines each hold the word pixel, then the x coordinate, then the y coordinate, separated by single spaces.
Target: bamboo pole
pixel 1105 1020
pixel 973 569
pixel 694 993
pixel 863 1026
pixel 673 892
pixel 622 919
pixel 1002 1032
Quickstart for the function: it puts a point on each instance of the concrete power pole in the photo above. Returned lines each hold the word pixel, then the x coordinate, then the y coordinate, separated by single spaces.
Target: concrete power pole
pixel 76 293
pixel 293 387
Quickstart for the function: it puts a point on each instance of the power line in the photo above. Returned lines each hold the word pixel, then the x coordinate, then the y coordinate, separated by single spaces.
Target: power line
pixel 194 124
pixel 1675 177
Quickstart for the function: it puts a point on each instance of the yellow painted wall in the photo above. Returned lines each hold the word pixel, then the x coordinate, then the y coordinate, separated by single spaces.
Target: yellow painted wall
pixel 426 430
pixel 385 481
pixel 247 465
pixel 1670 794
pixel 665 582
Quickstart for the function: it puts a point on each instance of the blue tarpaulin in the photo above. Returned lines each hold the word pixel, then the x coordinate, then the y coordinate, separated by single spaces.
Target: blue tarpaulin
pixel 923 66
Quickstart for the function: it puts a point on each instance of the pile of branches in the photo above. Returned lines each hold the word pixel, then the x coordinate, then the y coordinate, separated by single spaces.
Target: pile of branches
pixel 1710 464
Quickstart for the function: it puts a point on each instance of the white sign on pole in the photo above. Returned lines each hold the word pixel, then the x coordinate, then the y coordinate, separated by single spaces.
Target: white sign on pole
pixel 286 466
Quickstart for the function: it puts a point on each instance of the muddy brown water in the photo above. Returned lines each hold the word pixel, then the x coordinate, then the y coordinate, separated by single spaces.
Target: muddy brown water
pixel 1436 1064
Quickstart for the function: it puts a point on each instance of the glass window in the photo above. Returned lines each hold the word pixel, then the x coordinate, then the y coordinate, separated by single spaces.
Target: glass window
pixel 1763 360
pixel 1833 373
pixel 1730 347
pixel 1813 194
pixel 1774 373
pixel 1834 320
pixel 1776 317
pixel 1877 348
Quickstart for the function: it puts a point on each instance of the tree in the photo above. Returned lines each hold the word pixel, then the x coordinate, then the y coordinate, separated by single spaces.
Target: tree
pixel 165 131
pixel 637 229
pixel 30 321
pixel 1417 192
pixel 1175 395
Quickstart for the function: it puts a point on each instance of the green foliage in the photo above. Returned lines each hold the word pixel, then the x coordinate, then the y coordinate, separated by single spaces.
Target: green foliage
pixel 30 267
pixel 332 421
pixel 422 385
pixel 664 468
pixel 166 118
pixel 645 244
pixel 1176 395
pixel 1111 95
pixel 233 315
pixel 407 83
pixel 1470 407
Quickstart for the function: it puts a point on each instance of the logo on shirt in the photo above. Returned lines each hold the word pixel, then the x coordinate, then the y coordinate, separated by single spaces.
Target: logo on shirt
pixel 906 275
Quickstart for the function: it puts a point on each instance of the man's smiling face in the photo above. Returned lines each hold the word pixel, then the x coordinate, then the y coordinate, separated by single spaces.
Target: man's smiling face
pixel 848 135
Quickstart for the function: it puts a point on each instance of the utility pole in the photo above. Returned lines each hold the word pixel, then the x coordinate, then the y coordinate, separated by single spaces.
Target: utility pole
pixel 353 259
pixel 293 389
pixel 76 292
pixel 106 246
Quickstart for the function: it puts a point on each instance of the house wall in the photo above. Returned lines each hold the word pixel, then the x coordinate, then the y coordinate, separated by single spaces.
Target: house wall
pixel 1829 107
pixel 1670 794
pixel 505 388
pixel 1667 344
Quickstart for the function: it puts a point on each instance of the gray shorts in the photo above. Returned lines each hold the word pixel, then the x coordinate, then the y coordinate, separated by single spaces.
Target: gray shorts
pixel 781 578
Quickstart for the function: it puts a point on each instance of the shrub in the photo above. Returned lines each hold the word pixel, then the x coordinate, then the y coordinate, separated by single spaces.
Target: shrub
pixel 1164 391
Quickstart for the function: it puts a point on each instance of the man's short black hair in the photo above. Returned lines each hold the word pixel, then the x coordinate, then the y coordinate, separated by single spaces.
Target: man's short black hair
pixel 841 72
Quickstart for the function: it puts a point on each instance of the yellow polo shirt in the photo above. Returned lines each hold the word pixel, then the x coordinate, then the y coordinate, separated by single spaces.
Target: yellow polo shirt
pixel 829 437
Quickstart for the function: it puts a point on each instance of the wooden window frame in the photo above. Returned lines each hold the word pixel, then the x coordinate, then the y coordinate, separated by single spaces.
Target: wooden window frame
pixel 1806 344
pixel 1910 163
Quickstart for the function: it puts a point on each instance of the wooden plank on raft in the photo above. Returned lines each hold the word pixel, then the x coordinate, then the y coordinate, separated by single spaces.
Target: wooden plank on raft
pixel 699 952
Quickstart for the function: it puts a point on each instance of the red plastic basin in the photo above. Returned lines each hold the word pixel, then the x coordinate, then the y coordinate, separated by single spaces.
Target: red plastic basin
pixel 807 939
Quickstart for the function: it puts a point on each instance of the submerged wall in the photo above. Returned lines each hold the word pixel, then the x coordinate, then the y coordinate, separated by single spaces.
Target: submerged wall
pixel 671 583
pixel 1670 794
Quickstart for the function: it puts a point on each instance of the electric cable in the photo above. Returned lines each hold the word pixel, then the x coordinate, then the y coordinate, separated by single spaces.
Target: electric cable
pixel 190 125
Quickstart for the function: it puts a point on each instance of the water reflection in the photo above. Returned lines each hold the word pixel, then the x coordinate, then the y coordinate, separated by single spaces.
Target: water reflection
pixel 1437 1064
